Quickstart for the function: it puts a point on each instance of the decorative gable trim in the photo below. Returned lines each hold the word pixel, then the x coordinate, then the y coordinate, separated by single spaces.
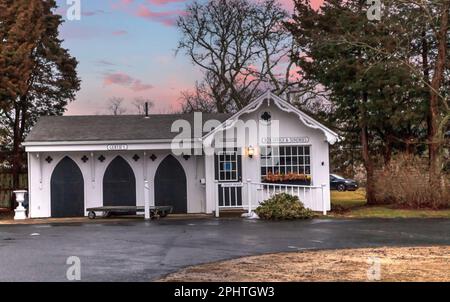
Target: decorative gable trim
pixel 332 137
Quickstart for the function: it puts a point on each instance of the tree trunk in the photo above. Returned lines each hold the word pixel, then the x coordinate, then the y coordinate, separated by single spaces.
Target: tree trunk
pixel 426 79
pixel 368 163
pixel 20 119
pixel 388 150
pixel 16 157
pixel 410 148
pixel 434 139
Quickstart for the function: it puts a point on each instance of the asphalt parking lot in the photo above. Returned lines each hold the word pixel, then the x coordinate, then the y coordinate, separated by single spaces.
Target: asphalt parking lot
pixel 143 251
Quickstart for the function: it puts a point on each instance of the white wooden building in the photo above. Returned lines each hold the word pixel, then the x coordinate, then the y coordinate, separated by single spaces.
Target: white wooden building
pixel 79 162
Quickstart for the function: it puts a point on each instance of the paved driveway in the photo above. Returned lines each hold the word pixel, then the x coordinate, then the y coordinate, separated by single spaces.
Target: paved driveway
pixel 142 251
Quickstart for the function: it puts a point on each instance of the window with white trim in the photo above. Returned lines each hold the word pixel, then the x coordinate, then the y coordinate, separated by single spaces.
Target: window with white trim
pixel 286 164
pixel 228 165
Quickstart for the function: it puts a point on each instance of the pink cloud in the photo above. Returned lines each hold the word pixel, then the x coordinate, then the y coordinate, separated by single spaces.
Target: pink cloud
pixel 167 18
pixel 289 4
pixel 294 74
pixel 120 33
pixel 139 86
pixel 316 3
pixel 163 2
pixel 123 79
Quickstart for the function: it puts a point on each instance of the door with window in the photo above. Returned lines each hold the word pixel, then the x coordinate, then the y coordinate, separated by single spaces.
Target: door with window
pixel 228 172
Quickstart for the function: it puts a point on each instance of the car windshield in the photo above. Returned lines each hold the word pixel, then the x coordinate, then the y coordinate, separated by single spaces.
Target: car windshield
pixel 337 176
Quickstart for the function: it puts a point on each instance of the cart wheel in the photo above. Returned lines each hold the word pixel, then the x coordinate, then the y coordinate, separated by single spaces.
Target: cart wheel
pixel 163 214
pixel 155 214
pixel 92 215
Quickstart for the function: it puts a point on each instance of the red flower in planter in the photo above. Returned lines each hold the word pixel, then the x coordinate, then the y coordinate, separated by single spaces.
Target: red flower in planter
pixel 286 177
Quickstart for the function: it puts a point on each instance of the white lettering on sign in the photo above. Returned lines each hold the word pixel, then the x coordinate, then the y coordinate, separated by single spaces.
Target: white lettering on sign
pixel 285 140
pixel 117 147
pixel 232 185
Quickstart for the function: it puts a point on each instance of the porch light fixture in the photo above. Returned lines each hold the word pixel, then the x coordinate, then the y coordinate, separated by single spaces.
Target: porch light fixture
pixel 250 151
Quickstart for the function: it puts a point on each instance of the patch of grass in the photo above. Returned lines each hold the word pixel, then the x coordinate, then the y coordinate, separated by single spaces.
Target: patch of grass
pixel 354 205
pixel 387 212
pixel 349 199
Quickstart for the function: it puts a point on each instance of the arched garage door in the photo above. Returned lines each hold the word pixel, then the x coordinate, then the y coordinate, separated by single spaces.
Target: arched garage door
pixel 170 185
pixel 67 190
pixel 119 184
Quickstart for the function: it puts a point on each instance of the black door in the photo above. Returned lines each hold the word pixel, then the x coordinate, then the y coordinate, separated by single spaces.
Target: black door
pixel 170 185
pixel 119 184
pixel 67 190
pixel 228 171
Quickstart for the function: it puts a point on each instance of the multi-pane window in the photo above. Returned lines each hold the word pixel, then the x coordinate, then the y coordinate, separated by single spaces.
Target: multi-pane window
pixel 288 161
pixel 228 165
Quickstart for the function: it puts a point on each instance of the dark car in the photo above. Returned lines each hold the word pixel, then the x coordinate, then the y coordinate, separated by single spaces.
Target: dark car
pixel 342 184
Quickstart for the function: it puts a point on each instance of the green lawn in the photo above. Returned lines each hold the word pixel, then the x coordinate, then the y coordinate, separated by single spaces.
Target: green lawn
pixel 355 206
pixel 349 199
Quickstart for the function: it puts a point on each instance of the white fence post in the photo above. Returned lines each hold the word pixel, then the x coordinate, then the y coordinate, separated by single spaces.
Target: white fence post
pixel 216 197
pixel 147 199
pixel 249 196
pixel 324 208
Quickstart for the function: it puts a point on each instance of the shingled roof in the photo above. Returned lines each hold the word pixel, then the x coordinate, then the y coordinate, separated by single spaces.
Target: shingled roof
pixel 111 128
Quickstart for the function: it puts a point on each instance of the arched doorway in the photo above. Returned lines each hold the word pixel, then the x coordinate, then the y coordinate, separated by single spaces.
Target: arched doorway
pixel 67 190
pixel 170 185
pixel 119 184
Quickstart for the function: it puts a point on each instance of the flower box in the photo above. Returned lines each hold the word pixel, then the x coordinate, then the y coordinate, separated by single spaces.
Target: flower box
pixel 288 179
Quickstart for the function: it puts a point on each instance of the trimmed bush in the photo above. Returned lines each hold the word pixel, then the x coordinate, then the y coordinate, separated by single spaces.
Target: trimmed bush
pixel 283 207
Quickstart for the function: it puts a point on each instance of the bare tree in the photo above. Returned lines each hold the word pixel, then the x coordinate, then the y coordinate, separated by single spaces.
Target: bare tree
pixel 243 48
pixel 139 104
pixel 200 100
pixel 115 106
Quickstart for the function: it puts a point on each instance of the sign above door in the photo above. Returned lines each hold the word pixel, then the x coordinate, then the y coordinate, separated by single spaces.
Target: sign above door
pixel 285 140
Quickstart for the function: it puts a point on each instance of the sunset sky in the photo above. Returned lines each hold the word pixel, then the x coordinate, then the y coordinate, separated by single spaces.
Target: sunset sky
pixel 126 48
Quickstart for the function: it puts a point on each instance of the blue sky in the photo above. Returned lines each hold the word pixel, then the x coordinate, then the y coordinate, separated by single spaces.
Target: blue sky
pixel 126 48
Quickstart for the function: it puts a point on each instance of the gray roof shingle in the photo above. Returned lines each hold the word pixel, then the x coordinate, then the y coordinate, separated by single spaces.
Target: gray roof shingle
pixel 111 128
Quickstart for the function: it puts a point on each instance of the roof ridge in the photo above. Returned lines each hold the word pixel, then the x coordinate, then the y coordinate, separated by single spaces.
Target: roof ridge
pixel 131 115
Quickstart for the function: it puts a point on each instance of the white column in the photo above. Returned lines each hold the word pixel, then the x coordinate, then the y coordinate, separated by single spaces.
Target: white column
pixel 216 197
pixel 210 186
pixel 324 206
pixel 147 199
pixel 145 166
pixel 93 169
pixel 38 156
pixel 249 195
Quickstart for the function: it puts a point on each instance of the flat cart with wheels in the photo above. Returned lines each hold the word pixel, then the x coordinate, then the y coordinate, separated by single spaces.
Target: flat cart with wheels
pixel 155 212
